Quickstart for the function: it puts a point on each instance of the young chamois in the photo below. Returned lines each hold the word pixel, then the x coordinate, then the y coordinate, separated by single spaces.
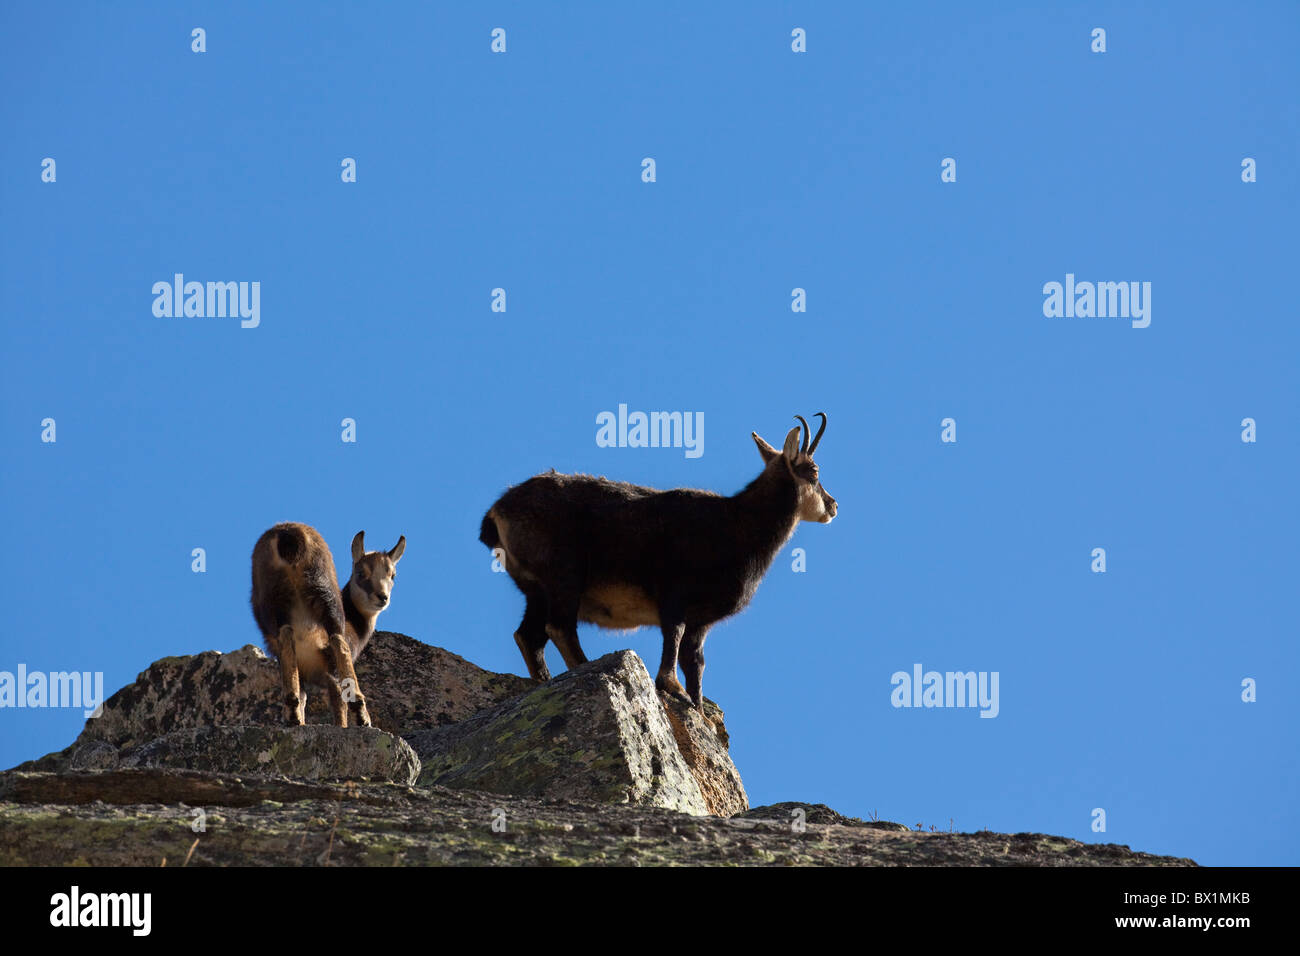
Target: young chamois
pixel 313 627
pixel 622 556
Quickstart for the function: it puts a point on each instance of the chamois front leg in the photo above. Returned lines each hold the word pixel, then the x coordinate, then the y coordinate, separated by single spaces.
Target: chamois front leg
pixel 295 703
pixel 666 681
pixel 350 690
pixel 692 658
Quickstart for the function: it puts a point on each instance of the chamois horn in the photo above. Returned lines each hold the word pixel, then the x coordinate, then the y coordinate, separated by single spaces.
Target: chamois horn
pixel 813 447
pixel 803 449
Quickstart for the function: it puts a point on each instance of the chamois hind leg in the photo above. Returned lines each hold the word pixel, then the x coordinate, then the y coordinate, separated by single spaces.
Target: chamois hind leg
pixel 327 604
pixel 566 640
pixel 295 703
pixel 349 689
pixel 666 680
pixel 562 628
pixel 338 706
pixel 531 638
pixel 692 658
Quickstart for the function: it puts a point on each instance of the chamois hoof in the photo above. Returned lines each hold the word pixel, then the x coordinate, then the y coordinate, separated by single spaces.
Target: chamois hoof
pixel 674 690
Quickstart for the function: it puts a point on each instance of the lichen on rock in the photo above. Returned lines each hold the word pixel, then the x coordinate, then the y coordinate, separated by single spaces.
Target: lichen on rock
pixel 596 733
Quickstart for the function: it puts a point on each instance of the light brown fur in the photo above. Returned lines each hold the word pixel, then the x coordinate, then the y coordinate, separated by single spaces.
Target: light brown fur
pixel 312 626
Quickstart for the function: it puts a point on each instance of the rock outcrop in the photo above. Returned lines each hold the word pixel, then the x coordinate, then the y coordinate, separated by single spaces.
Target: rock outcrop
pixel 787 813
pixel 463 767
pixel 597 734
pixel 314 752
pixel 703 743
pixel 408 686
pixel 145 817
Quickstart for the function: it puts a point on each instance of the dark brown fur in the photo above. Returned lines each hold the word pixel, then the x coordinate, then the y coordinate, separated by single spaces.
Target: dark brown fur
pixel 623 556
pixel 312 626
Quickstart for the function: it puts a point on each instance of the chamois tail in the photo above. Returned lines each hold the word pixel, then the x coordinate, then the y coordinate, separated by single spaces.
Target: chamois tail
pixel 290 544
pixel 487 532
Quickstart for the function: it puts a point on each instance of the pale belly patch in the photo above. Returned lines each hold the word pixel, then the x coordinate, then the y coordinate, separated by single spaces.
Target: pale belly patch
pixel 309 648
pixel 621 607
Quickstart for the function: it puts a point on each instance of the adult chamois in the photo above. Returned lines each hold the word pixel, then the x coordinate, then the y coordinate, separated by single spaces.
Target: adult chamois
pixel 315 628
pixel 623 556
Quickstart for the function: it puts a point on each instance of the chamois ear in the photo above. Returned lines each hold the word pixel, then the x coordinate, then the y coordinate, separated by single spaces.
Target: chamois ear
pixel 764 449
pixel 791 449
pixel 396 554
pixel 358 547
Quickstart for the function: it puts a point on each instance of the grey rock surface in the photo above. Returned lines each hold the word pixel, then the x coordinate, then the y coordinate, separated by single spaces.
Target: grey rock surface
pixel 408 685
pixel 314 752
pixel 143 817
pixel 596 734
pixel 703 743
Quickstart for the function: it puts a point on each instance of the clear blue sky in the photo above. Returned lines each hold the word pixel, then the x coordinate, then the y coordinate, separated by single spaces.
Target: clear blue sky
pixel 775 170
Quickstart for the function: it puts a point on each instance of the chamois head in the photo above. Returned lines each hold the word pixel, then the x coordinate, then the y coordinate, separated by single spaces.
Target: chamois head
pixel 814 502
pixel 373 574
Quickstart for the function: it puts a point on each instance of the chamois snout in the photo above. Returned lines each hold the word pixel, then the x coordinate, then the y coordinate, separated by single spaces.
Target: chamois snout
pixel 815 504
